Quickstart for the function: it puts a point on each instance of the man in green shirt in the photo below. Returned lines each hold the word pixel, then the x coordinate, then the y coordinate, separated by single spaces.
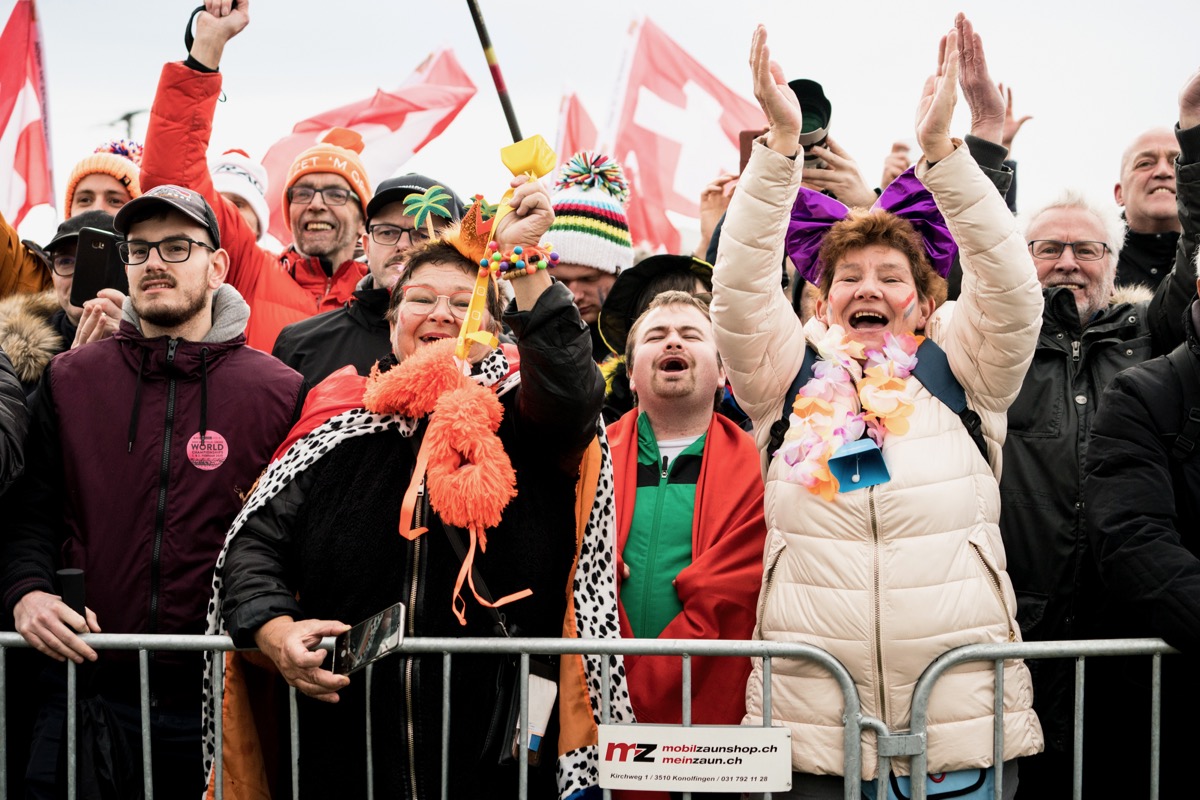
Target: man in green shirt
pixel 690 525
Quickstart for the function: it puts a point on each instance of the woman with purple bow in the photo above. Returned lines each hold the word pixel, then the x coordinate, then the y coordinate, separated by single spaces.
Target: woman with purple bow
pixel 888 409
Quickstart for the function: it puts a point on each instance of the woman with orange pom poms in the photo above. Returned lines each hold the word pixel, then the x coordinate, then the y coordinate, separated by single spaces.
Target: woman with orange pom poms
pixel 446 480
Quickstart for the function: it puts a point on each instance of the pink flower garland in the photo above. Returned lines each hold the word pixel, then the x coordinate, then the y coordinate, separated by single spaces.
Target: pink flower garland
pixel 843 400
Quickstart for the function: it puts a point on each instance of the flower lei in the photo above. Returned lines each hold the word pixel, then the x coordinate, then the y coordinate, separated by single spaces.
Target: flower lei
pixel 843 400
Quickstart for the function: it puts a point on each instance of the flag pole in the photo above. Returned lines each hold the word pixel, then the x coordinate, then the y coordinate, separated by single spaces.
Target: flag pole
pixel 494 66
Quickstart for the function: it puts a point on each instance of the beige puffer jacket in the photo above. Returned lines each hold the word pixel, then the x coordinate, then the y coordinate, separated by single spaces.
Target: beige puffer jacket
pixel 890 577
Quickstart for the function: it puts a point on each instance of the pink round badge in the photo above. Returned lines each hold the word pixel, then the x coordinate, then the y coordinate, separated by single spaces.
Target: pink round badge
pixel 209 453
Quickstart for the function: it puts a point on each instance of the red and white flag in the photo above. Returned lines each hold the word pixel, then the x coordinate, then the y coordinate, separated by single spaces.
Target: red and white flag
pixel 576 131
pixel 678 129
pixel 394 126
pixel 25 179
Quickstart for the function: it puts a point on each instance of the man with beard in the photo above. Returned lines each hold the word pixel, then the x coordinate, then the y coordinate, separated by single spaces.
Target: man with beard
pixel 140 450
pixel 690 527
pixel 325 194
pixel 357 333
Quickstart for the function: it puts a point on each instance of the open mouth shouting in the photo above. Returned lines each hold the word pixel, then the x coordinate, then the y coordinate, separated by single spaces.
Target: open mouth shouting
pixel 868 320
pixel 673 364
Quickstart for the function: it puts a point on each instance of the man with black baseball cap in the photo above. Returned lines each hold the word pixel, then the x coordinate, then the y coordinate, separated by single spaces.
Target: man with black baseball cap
pixel 357 333
pixel 141 446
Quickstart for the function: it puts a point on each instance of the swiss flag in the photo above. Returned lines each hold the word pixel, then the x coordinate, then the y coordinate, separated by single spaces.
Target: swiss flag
pixel 678 129
pixel 23 126
pixel 394 125
pixel 576 131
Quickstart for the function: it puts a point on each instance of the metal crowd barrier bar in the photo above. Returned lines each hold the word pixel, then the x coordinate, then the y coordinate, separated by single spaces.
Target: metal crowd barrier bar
pixel 448 647
pixel 1080 650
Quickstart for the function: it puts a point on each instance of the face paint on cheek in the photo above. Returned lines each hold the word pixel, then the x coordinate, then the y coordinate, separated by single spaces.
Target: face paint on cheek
pixel 910 305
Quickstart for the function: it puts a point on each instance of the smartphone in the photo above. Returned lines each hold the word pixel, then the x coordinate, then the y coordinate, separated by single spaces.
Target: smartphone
pixel 369 640
pixel 745 145
pixel 97 266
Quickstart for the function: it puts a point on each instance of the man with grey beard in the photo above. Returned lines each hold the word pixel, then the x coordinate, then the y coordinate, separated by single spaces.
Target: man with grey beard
pixel 1090 332
pixel 357 333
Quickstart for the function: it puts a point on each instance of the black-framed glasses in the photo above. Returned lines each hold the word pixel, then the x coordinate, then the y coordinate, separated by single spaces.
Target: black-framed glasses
pixel 173 250
pixel 331 195
pixel 389 235
pixel 422 300
pixel 1051 250
pixel 63 266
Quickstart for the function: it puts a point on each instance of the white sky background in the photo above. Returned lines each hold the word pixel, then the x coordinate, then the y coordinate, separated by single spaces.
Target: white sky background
pixel 1092 75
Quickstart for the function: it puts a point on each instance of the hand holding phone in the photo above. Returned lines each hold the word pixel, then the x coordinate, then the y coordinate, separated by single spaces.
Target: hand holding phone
pixel 97 266
pixel 369 640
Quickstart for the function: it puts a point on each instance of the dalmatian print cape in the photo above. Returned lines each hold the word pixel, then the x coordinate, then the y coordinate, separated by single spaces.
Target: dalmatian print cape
pixel 594 586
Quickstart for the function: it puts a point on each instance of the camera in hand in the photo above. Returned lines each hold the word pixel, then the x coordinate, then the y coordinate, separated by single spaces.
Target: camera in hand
pixel 817 110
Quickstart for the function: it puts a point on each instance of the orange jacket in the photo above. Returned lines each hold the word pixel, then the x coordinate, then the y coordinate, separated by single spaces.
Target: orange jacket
pixel 280 288
pixel 20 270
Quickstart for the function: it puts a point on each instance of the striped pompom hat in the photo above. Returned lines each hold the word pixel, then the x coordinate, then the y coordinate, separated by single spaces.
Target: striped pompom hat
pixel 590 229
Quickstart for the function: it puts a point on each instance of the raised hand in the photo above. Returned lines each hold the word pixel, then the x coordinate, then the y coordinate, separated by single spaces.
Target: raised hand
pixel 1012 125
pixel 896 162
pixel 779 103
pixel 842 176
pixel 1189 102
pixel 936 108
pixel 983 97
pixel 216 25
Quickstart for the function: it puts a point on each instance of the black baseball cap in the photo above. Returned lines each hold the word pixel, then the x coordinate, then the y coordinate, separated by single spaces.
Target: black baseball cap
pixel 68 231
pixel 393 190
pixel 191 204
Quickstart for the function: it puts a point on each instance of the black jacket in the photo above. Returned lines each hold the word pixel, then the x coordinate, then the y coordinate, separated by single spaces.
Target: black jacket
pixel 330 538
pixel 1042 516
pixel 1146 258
pixel 14 423
pixel 355 334
pixel 1142 507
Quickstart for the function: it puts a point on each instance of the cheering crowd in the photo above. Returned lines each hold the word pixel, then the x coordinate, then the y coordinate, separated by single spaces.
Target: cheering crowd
pixel 886 422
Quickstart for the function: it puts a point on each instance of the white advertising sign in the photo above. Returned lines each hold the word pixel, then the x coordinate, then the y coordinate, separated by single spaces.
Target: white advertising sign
pixel 701 758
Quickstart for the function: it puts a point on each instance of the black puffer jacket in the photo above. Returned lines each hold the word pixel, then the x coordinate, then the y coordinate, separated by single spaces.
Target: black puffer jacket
pixel 330 538
pixel 14 423
pixel 355 334
pixel 1142 507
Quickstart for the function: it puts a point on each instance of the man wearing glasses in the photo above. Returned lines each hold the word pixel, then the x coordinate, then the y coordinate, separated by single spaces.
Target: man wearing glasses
pixel 325 194
pixel 1090 332
pixel 357 333
pixel 141 448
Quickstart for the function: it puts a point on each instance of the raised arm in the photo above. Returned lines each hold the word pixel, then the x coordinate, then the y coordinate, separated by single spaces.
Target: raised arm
pixel 562 389
pixel 177 139
pixel 990 336
pixel 760 338
pixel 1178 289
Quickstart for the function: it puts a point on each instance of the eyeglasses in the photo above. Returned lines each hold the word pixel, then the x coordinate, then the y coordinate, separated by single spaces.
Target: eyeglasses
pixel 1050 250
pixel 389 235
pixel 63 266
pixel 422 300
pixel 174 250
pixel 332 195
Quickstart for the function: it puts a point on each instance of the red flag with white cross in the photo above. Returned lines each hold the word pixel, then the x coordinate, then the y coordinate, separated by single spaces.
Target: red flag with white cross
pixel 677 129
pixel 25 179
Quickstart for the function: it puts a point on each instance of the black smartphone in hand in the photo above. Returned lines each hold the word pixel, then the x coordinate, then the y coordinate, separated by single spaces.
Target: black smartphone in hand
pixel 97 266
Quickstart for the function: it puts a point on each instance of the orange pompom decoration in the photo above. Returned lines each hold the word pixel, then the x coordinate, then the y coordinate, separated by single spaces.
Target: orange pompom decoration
pixel 471 479
pixel 414 386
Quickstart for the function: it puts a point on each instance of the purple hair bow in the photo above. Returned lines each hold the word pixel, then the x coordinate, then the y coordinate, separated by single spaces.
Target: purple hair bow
pixel 814 213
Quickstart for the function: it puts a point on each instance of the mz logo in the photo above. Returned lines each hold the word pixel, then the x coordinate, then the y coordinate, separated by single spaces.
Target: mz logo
pixel 619 751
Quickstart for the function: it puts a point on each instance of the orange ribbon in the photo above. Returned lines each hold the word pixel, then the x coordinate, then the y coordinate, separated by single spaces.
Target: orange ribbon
pixel 465 573
pixel 413 495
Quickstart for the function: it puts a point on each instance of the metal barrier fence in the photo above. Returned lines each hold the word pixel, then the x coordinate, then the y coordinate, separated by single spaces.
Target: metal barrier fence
pixel 910 744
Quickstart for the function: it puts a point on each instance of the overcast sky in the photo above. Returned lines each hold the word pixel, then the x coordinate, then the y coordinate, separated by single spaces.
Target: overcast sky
pixel 1092 75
